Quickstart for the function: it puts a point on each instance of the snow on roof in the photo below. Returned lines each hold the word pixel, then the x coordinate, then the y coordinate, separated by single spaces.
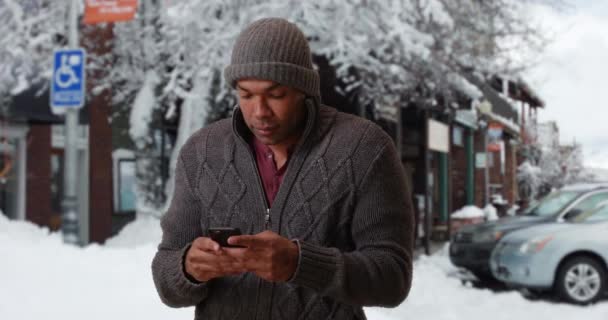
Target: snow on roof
pixel 506 122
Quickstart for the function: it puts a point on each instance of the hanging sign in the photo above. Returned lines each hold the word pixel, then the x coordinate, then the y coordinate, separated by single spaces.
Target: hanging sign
pixel 495 130
pixel 97 11
pixel 438 136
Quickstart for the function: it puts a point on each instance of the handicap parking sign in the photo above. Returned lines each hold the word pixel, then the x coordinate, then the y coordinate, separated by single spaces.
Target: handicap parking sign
pixel 68 81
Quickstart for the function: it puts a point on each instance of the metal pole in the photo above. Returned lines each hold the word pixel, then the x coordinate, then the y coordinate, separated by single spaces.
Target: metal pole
pixel 487 166
pixel 470 147
pixel 427 191
pixel 69 223
pixel 450 187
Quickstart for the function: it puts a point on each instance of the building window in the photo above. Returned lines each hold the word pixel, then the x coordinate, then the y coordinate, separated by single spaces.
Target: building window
pixel 8 177
pixel 126 185
pixel 491 159
pixel 458 136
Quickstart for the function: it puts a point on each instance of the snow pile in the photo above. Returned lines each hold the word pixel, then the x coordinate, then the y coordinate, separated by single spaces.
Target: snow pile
pixel 145 230
pixel 497 199
pixel 468 212
pixel 44 279
pixel 25 232
pixel 490 213
pixel 471 212
pixel 513 210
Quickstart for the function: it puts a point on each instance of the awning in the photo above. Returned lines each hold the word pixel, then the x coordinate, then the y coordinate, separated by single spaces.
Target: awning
pixel 32 106
pixel 500 106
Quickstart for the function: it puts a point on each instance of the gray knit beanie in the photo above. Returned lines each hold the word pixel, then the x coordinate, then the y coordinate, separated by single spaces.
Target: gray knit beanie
pixel 277 50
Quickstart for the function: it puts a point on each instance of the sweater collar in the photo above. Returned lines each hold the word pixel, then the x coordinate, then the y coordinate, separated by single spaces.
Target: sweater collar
pixel 318 121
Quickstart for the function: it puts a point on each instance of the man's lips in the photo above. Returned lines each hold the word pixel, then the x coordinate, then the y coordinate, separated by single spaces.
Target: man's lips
pixel 265 131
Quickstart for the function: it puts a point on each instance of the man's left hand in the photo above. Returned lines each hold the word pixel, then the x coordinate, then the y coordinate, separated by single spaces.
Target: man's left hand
pixel 267 254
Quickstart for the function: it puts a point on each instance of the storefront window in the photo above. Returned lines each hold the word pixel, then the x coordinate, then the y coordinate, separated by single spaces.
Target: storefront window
pixel 8 177
pixel 458 136
pixel 126 185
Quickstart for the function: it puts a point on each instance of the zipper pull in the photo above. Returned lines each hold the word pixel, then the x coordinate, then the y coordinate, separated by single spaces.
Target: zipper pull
pixel 267 219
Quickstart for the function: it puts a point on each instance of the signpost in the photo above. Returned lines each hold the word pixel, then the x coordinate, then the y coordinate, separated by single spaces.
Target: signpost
pixel 67 96
pixel 68 87
pixel 68 81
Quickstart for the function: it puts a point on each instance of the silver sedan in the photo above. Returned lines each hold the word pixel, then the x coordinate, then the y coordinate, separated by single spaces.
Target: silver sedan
pixel 568 258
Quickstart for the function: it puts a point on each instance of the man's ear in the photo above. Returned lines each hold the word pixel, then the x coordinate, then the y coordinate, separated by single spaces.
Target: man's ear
pixel 302 97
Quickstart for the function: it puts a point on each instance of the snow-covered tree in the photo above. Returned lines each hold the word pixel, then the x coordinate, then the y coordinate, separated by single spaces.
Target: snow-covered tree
pixel 572 164
pixel 169 60
pixel 147 78
pixel 390 52
pixel 529 180
pixel 547 167
pixel 31 30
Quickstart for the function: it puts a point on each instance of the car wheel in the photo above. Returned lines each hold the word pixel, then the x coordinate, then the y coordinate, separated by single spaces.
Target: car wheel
pixel 581 280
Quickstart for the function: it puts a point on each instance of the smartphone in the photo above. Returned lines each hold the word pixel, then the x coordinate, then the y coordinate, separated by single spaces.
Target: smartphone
pixel 221 235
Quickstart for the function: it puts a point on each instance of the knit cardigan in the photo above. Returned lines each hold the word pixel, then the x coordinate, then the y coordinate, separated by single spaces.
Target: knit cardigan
pixel 344 199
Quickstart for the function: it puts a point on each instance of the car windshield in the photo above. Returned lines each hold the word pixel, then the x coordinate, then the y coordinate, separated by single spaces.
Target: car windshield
pixel 597 214
pixel 553 203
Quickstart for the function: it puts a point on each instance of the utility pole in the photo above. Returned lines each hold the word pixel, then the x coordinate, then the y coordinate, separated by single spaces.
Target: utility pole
pixel 69 223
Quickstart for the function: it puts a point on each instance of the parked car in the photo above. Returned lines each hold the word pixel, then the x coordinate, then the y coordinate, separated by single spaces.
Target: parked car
pixel 472 245
pixel 568 259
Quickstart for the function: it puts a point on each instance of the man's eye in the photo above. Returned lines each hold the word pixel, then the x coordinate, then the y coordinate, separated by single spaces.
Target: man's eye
pixel 277 95
pixel 245 96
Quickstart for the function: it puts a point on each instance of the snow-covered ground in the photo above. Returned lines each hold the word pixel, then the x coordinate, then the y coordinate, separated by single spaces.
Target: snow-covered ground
pixel 40 278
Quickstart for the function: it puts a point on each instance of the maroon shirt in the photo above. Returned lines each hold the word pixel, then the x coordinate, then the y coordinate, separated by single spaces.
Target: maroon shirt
pixel 271 176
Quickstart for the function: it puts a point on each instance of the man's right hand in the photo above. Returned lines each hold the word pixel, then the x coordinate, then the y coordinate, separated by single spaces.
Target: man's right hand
pixel 206 260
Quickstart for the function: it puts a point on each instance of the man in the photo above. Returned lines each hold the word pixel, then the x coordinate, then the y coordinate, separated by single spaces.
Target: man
pixel 320 196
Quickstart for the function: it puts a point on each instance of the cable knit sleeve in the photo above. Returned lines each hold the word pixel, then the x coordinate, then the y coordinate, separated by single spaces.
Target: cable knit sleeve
pixel 180 226
pixel 379 271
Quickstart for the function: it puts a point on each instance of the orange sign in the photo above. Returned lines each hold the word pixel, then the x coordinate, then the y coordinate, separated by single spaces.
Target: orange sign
pixel 97 11
pixel 494 133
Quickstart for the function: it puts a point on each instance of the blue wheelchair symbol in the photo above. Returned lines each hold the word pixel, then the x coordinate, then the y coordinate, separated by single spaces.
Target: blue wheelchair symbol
pixel 68 81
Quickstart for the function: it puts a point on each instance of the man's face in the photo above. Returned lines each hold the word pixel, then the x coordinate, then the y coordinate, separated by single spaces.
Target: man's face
pixel 274 113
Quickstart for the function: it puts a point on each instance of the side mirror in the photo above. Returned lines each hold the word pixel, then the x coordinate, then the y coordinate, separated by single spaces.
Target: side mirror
pixel 572 214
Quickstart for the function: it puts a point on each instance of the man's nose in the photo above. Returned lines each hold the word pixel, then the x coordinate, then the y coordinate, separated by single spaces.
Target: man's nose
pixel 261 108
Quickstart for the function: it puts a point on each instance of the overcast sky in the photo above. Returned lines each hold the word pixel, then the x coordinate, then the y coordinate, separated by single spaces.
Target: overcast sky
pixel 572 77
